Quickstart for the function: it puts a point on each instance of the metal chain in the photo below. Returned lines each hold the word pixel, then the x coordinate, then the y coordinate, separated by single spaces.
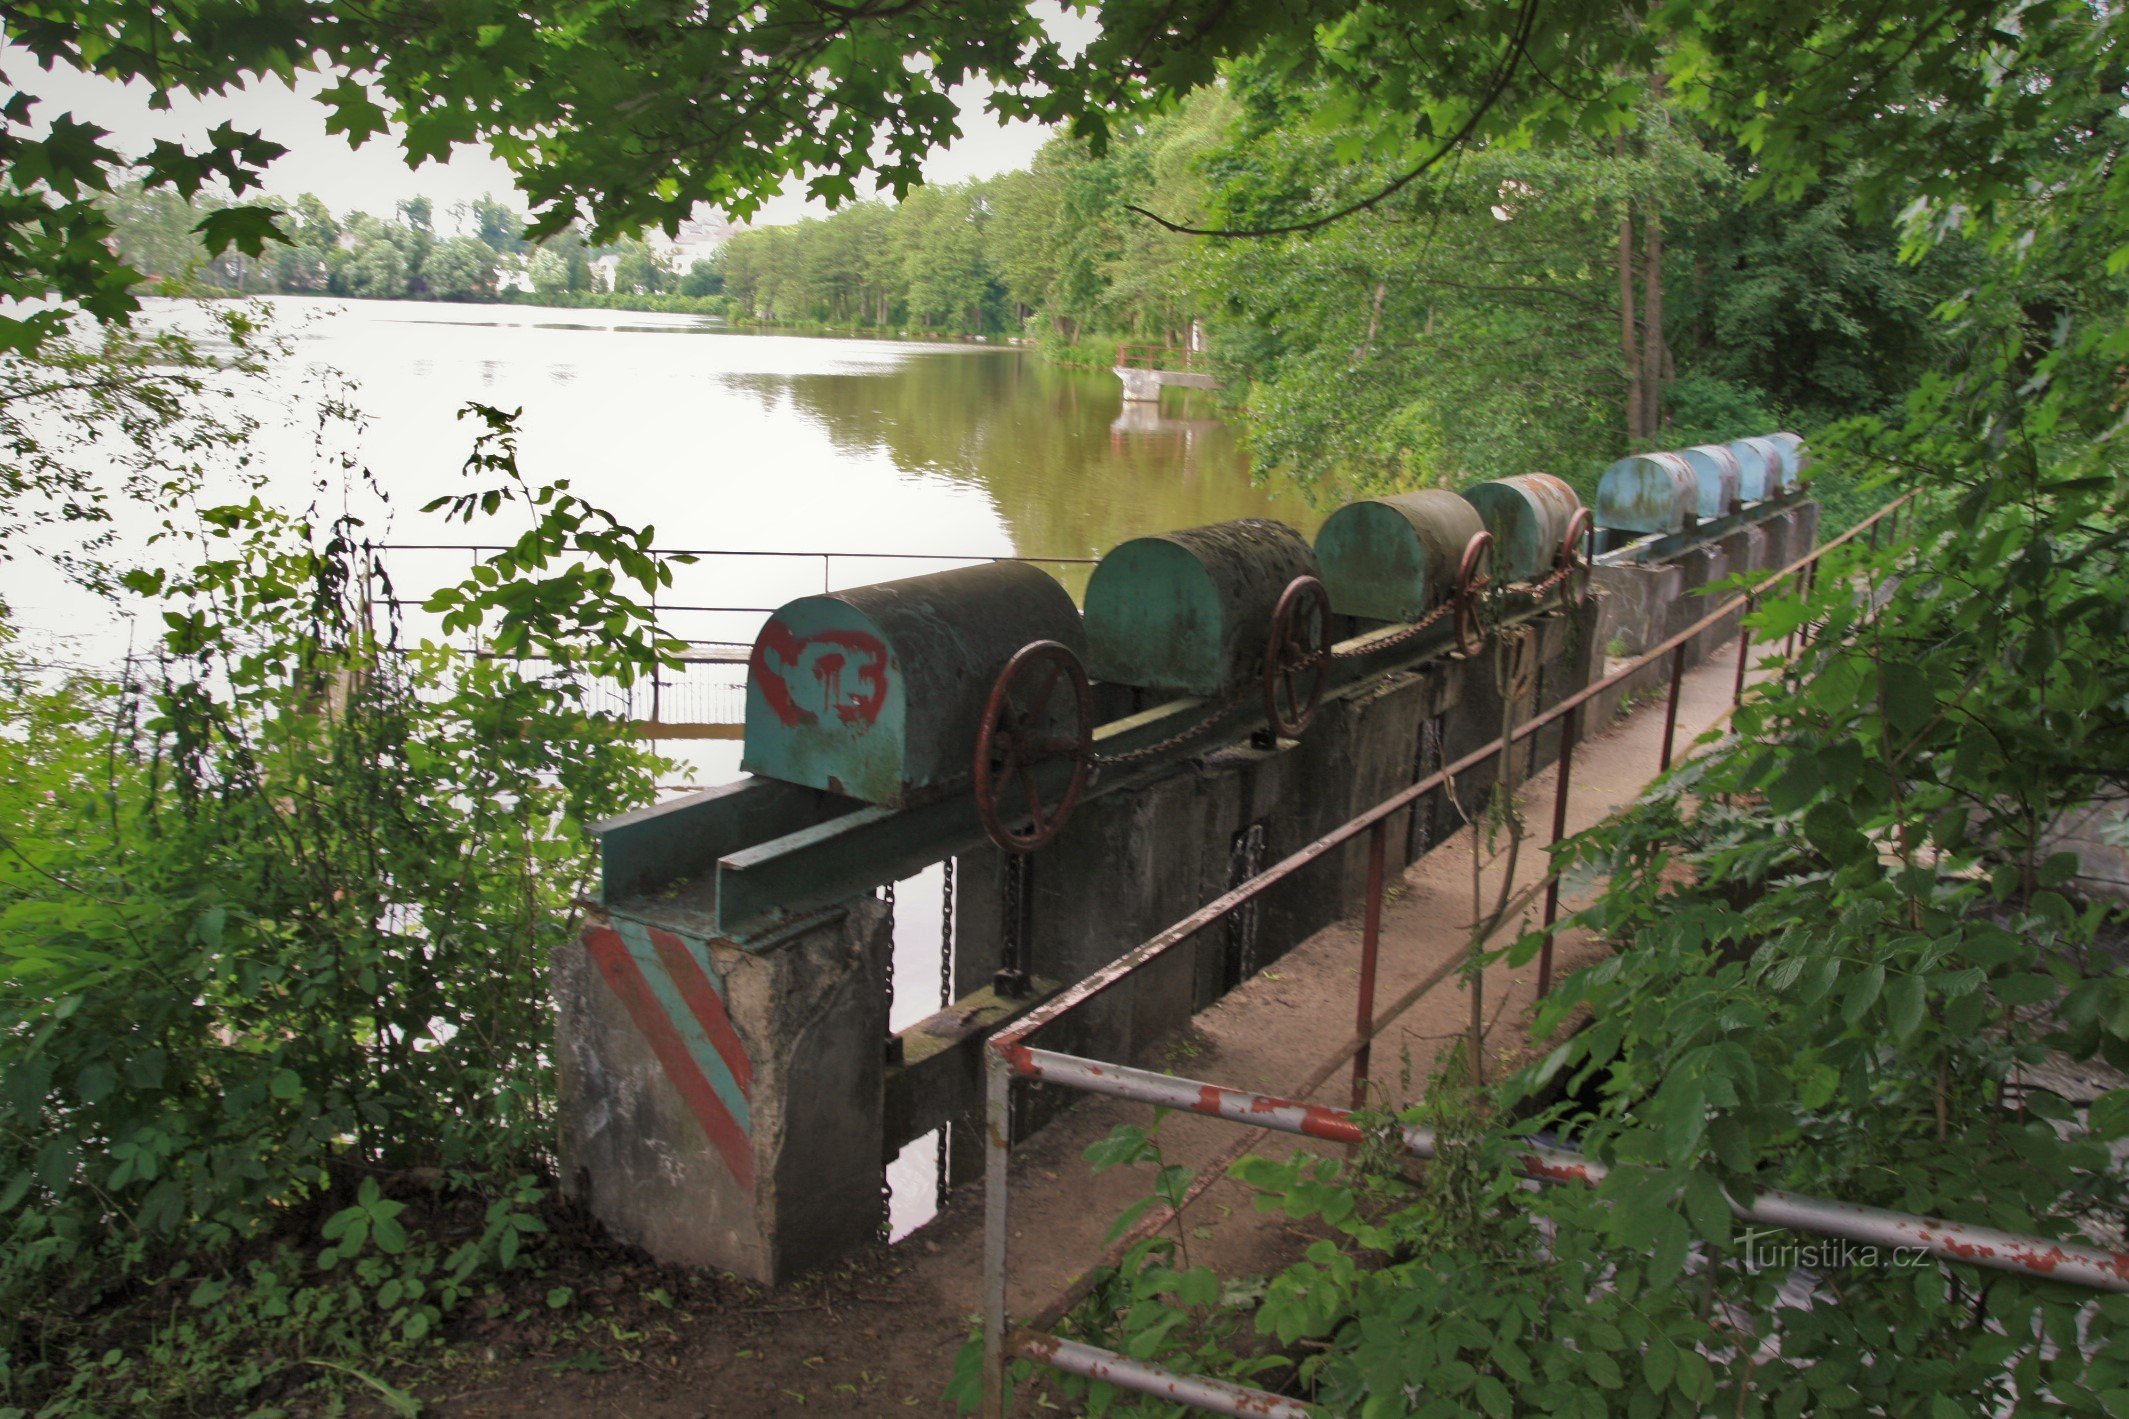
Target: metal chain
pixel 1559 574
pixel 1424 623
pixel 1219 710
pixel 946 934
pixel 946 997
pixel 1245 859
pixel 893 1055
pixel 887 896
pixel 1015 954
pixel 1176 740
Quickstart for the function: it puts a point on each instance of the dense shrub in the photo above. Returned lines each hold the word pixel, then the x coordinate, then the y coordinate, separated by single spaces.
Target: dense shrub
pixel 274 910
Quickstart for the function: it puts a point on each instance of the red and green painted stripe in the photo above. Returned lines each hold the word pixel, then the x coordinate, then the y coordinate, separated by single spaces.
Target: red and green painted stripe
pixel 675 997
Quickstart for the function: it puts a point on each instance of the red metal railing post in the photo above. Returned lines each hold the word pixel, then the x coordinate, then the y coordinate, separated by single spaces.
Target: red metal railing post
pixel 1670 711
pixel 1793 583
pixel 1811 583
pixel 1559 830
pixel 1744 650
pixel 1370 947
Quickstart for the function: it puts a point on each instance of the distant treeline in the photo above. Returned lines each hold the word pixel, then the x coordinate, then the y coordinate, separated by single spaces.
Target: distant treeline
pixel 1514 310
pixel 1050 251
pixel 402 255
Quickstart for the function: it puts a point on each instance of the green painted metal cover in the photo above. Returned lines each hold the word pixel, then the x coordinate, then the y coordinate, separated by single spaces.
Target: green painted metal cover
pixel 1528 516
pixel 877 692
pixel 1756 461
pixel 1716 468
pixel 1395 558
pixel 1796 458
pixel 1189 612
pixel 1648 493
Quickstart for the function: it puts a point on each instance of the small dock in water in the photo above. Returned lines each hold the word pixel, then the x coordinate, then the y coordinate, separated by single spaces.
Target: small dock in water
pixel 1148 369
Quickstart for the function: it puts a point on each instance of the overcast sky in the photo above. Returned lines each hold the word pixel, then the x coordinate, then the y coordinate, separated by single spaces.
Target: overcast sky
pixel 375 178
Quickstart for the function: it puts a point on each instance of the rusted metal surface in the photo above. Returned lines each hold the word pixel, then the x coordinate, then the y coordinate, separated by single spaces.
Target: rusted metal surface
pixel 1189 612
pixel 1715 466
pixel 1141 1377
pixel 1297 661
pixel 1561 777
pixel 1009 1053
pixel 1101 981
pixel 1744 636
pixel 1027 726
pixel 1527 515
pixel 1577 555
pixel 1473 574
pixel 763 880
pixel 1670 705
pixel 1648 493
pixel 1395 558
pixel 878 692
pixel 1370 949
pixel 2074 1263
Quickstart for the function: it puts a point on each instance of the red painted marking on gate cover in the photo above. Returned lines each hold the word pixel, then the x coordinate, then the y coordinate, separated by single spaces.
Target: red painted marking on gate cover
pixel 625 979
pixel 780 658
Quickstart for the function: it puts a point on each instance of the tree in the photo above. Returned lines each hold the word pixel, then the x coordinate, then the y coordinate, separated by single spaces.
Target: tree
pixel 636 270
pixel 302 268
pixel 550 272
pixel 820 104
pixel 376 269
pixel 704 278
pixel 459 269
pixel 496 223
pixel 313 223
pixel 949 283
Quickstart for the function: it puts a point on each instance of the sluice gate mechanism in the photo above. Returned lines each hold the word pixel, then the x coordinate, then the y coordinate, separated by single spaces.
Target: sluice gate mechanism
pixel 1088 772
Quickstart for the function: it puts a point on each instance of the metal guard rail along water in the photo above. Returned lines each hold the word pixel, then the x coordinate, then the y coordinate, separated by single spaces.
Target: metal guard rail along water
pixel 1008 1056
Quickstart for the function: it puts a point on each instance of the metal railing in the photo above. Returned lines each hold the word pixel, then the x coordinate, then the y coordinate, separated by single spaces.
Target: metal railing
pixel 1159 357
pixel 827 560
pixel 1008 1056
pixel 708 650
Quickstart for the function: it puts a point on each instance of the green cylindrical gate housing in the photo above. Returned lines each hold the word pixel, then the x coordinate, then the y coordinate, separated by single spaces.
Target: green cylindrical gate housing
pixel 1528 516
pixel 877 692
pixel 1190 612
pixel 1654 493
pixel 1758 469
pixel 1796 459
pixel 1716 468
pixel 1395 558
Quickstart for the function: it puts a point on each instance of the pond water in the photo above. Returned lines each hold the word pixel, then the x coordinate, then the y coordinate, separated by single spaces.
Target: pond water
pixel 729 442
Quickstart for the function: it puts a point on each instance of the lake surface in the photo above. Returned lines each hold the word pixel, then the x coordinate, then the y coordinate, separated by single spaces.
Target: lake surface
pixel 724 441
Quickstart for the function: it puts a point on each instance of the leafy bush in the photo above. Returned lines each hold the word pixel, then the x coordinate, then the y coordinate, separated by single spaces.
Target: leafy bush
pixel 274 912
pixel 1843 945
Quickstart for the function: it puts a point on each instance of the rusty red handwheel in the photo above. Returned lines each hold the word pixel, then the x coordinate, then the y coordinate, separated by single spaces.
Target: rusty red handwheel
pixel 1297 658
pixel 1024 730
pixel 1470 581
pixel 1574 587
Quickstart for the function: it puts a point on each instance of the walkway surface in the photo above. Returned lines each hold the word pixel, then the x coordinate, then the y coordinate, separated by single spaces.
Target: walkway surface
pixel 881 1336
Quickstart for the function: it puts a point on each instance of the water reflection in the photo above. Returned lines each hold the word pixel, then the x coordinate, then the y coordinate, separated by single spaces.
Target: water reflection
pixel 1070 469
